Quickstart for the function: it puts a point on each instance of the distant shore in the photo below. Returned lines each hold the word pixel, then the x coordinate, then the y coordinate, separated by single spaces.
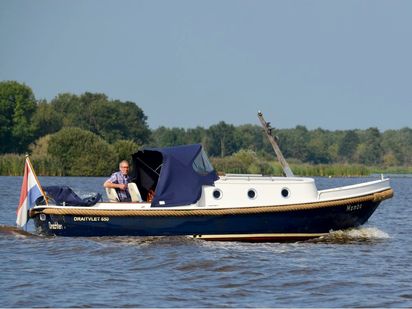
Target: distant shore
pixel 13 164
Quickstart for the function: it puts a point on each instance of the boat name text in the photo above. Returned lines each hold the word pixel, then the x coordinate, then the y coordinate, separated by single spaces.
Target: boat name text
pixel 55 226
pixel 91 219
pixel 353 207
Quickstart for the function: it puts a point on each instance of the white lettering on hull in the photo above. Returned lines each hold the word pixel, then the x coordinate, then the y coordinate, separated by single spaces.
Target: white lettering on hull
pixel 353 207
pixel 55 226
pixel 91 219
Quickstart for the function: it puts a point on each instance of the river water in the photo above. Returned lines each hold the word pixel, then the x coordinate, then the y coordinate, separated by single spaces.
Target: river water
pixel 365 267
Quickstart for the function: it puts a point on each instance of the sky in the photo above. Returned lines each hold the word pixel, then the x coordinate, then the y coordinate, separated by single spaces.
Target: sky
pixel 335 65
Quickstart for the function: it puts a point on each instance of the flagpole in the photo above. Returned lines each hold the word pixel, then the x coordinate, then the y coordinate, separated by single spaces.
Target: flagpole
pixel 37 179
pixel 30 191
pixel 24 175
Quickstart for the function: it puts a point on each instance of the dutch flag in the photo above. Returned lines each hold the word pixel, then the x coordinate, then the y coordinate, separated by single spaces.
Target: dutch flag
pixel 30 191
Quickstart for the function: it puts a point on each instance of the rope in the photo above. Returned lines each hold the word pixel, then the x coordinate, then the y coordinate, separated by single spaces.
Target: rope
pixel 375 197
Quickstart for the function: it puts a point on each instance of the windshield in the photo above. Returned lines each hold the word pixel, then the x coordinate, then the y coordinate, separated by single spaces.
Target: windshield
pixel 201 164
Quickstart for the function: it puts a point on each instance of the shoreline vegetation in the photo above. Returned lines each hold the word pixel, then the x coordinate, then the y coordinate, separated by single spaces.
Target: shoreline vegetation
pixel 13 165
pixel 88 134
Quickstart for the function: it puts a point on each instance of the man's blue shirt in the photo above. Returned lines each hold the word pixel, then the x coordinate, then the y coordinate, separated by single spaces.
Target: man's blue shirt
pixel 119 178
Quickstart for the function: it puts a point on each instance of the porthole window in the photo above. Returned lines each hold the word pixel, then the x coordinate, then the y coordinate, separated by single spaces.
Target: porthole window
pixel 251 194
pixel 217 194
pixel 285 192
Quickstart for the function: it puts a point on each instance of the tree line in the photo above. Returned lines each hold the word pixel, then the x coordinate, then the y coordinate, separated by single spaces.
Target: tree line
pixel 87 134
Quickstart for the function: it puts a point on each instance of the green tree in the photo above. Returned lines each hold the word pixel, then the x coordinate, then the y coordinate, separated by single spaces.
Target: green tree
pixel 348 145
pixel 196 135
pixel 294 143
pixel 252 137
pixel 82 153
pixel 46 120
pixel 397 145
pixel 166 137
pixel 124 149
pixel 40 147
pixel 112 120
pixel 318 146
pixel 17 105
pixel 68 105
pixel 406 142
pixel 134 122
pixel 370 152
pixel 221 140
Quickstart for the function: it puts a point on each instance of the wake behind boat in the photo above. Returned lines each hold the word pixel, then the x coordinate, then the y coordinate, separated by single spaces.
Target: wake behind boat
pixel 192 199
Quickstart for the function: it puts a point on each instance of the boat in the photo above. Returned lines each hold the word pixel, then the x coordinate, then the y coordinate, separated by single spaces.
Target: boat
pixel 192 199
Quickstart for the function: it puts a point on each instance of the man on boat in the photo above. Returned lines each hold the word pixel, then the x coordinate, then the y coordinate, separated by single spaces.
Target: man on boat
pixel 119 181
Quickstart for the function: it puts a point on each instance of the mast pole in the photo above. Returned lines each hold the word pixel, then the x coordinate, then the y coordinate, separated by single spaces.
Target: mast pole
pixel 268 131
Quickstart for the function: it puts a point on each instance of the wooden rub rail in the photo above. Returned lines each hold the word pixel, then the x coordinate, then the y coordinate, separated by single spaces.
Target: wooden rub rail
pixel 375 197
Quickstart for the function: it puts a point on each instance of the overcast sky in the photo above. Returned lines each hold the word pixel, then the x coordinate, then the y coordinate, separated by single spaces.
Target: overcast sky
pixel 329 64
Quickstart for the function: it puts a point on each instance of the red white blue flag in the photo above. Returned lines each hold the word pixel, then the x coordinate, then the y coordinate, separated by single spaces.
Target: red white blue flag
pixel 30 191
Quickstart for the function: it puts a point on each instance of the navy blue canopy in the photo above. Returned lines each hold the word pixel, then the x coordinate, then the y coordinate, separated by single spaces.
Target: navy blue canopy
pixel 176 174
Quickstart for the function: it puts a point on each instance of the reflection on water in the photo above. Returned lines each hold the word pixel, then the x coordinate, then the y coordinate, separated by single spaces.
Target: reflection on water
pixel 364 267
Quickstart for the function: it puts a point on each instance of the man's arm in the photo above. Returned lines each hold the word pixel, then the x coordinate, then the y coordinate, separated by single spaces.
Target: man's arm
pixel 109 184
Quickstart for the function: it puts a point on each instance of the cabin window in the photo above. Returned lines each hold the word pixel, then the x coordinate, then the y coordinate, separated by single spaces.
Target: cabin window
pixel 251 194
pixel 217 194
pixel 201 164
pixel 285 192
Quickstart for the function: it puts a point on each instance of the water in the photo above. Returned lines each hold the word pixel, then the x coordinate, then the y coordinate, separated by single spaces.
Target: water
pixel 366 267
